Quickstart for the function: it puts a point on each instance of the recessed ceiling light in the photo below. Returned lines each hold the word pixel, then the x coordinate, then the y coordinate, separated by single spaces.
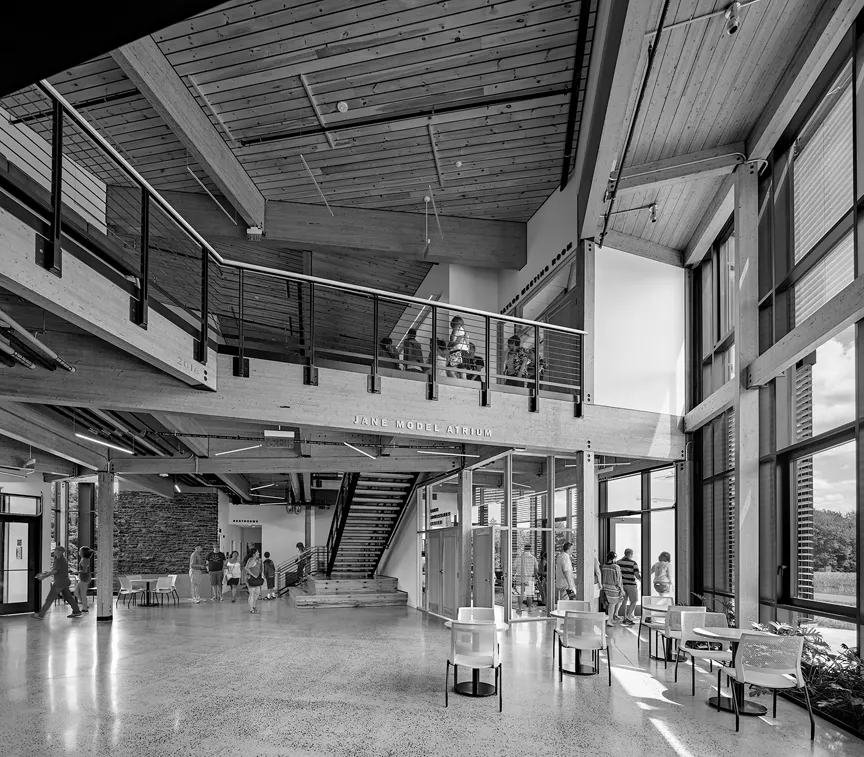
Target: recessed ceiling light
pixel 342 106
pixel 458 164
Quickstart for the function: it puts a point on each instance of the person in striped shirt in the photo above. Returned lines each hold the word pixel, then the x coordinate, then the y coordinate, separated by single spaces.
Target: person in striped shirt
pixel 630 576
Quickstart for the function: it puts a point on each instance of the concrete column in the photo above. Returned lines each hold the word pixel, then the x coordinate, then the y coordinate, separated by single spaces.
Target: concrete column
pixel 105 556
pixel 684 526
pixel 586 525
pixel 747 401
pixel 464 500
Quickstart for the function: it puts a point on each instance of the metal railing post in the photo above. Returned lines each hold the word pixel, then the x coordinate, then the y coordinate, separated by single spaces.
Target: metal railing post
pixel 534 400
pixel 241 362
pixel 204 332
pixel 48 252
pixel 373 385
pixel 140 304
pixel 310 372
pixel 432 384
pixel 486 385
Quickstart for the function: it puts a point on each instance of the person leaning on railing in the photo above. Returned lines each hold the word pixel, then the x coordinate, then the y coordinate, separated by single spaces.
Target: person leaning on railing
pixel 515 362
pixel 412 353
pixel 387 355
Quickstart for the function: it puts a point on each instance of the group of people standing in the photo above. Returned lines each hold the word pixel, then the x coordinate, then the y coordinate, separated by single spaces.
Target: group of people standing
pixel 226 573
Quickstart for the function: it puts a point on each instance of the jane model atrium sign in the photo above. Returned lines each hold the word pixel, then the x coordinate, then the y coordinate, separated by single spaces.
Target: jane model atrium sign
pixel 403 425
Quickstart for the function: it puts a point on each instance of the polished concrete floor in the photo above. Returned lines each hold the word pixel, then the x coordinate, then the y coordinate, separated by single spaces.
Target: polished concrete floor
pixel 215 680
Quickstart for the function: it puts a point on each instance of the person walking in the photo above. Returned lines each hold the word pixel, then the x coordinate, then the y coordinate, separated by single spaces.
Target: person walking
pixel 233 571
pixel 661 575
pixel 85 575
pixel 301 562
pixel 525 573
pixel 215 566
pixel 269 569
pixel 613 587
pixel 59 586
pixel 457 347
pixel 412 352
pixel 196 567
pixel 564 582
pixel 630 576
pixel 542 584
pixel 254 580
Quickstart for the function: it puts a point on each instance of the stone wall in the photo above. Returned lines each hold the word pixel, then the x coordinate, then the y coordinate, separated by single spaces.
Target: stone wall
pixel 155 535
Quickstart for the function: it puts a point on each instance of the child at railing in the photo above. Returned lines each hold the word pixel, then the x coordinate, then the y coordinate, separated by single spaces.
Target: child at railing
pixel 269 572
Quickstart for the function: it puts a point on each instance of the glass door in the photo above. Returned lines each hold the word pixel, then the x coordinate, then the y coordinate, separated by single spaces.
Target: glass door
pixel 18 564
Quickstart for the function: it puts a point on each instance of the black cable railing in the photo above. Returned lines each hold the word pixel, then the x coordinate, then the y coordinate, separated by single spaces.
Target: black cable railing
pixel 340 516
pixel 274 314
pixel 293 572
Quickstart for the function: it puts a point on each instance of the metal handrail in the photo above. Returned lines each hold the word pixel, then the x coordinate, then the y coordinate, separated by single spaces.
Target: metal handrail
pixel 265 270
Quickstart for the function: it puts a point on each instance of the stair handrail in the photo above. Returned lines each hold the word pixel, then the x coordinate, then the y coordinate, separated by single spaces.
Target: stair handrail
pixel 85 126
pixel 340 516
pixel 315 557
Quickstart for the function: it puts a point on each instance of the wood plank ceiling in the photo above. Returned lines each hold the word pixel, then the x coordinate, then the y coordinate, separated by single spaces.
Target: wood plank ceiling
pixel 706 89
pixel 491 77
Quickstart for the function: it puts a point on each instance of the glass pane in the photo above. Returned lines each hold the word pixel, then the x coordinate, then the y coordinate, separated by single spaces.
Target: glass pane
pixel 663 487
pixel 826 537
pixel 708 535
pixel 663 541
pixel 728 287
pixel 624 493
pixel 825 387
pixel 528 587
pixel 835 633
pixel 443 506
pixel 724 534
pixel 20 505
pixel 828 277
pixel 822 172
pixel 14 563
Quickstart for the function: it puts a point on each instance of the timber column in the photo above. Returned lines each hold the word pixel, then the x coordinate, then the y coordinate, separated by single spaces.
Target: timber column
pixel 464 500
pixel 586 526
pixel 105 541
pixel 747 400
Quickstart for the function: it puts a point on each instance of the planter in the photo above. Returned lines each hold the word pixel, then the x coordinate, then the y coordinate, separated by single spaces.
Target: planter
pixel 844 725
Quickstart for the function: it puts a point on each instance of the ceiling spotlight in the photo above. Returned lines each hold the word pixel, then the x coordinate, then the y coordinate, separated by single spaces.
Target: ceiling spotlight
pixel 342 106
pixel 458 164
pixel 733 18
pixel 653 210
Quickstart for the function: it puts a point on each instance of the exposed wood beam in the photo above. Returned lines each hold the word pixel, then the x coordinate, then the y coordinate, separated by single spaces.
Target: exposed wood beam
pixel 716 403
pixel 15 453
pixel 148 68
pixel 27 424
pixel 643 248
pixel 151 483
pixel 237 484
pixel 276 394
pixel 329 463
pixel 704 164
pixel 356 231
pixel 627 64
pixel 834 316
pixel 823 36
pixel 713 220
pixel 91 301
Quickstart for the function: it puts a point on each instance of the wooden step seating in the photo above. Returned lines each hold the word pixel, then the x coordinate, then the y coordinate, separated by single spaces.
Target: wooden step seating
pixel 374 511
pixel 320 591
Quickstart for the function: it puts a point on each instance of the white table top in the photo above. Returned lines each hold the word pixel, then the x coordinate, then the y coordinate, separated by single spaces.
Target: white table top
pixel 563 613
pixel 727 634
pixel 656 608
pixel 500 625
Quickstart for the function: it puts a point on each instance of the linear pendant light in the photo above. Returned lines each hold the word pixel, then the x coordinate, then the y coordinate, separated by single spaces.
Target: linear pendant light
pixel 104 443
pixel 357 449
pixel 447 454
pixel 263 486
pixel 232 451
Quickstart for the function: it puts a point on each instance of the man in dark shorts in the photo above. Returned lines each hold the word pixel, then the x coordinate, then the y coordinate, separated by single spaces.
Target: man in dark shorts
pixel 215 566
pixel 60 586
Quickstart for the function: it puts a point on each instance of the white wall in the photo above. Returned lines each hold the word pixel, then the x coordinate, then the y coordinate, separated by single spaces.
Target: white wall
pixel 400 561
pixel 550 230
pixel 474 287
pixel 280 531
pixel 638 333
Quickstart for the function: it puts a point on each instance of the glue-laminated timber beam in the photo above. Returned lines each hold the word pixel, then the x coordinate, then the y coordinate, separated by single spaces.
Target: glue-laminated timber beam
pixel 357 231
pixel 149 70
pixel 26 424
pixel 275 394
pixel 14 453
pixel 704 164
pixel 713 220
pixel 326 463
pixel 93 302
pixel 151 483
pixel 643 248
pixel 713 405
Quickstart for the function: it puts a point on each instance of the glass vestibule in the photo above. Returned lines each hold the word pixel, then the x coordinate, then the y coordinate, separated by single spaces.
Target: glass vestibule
pixel 20 519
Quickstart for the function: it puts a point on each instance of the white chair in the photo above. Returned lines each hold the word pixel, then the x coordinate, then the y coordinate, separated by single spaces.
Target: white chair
pixel 699 646
pixel 672 630
pixel 586 632
pixel 127 590
pixel 651 623
pixel 173 578
pixel 772 662
pixel 469 614
pixel 566 605
pixel 164 587
pixel 474 645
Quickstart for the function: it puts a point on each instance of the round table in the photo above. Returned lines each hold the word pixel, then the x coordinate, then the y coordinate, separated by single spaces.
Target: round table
pixel 745 706
pixel 579 668
pixel 475 687
pixel 148 592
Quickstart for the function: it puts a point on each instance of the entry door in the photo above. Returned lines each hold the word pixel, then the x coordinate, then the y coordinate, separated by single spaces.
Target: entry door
pixel 18 565
pixel 484 567
pixel 434 571
pixel 450 594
